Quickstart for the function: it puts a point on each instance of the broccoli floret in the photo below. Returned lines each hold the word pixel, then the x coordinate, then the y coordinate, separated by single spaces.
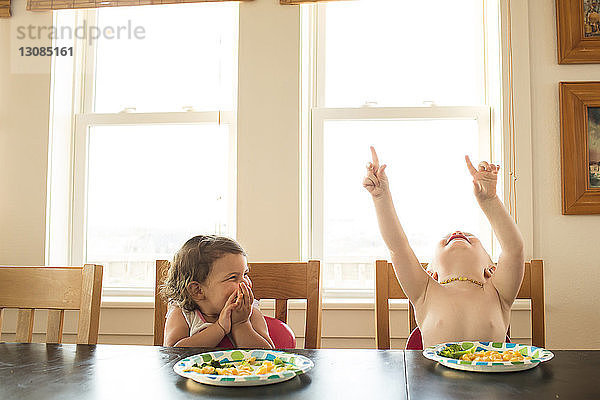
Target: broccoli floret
pixel 278 361
pixel 453 351
pixel 213 363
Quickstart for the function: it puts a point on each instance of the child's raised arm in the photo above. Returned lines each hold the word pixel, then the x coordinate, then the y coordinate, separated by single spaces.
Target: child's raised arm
pixel 511 263
pixel 411 275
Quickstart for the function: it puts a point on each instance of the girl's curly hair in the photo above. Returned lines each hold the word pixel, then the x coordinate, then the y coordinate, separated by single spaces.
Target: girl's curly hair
pixel 193 262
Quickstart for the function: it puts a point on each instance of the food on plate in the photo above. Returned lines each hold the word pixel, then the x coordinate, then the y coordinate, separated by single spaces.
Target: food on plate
pixel 457 352
pixel 494 356
pixel 250 366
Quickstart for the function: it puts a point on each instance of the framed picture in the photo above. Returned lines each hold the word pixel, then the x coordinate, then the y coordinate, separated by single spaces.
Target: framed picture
pixel 580 147
pixel 578 28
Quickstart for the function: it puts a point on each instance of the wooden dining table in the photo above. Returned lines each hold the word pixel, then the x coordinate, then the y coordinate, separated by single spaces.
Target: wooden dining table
pixel 68 371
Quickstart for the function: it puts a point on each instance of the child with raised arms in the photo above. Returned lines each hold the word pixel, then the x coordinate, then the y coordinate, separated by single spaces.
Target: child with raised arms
pixel 462 295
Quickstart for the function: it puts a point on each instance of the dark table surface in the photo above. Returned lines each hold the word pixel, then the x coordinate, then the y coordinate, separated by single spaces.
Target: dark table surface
pixel 40 371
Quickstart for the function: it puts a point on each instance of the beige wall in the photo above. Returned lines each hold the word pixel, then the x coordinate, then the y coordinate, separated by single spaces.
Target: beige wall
pixel 268 178
pixel 569 245
pixel 268 203
pixel 24 110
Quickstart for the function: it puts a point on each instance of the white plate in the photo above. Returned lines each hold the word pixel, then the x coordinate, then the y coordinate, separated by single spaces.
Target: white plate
pixel 300 363
pixel 537 355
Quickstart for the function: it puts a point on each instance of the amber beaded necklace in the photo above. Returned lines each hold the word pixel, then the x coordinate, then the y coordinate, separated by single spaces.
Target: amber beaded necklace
pixel 462 278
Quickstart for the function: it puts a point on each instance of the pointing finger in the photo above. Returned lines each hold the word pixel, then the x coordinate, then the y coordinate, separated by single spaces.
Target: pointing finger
pixel 375 158
pixel 470 166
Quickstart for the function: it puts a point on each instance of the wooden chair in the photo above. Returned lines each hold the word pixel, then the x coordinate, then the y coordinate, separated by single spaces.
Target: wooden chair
pixel 387 287
pixel 160 307
pixel 57 290
pixel 279 281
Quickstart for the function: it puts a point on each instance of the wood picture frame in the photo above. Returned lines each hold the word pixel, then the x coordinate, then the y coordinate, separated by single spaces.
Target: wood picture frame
pixel 5 9
pixel 580 147
pixel 578 30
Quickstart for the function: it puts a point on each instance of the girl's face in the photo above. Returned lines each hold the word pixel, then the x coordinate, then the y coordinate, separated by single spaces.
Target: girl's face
pixel 461 254
pixel 224 278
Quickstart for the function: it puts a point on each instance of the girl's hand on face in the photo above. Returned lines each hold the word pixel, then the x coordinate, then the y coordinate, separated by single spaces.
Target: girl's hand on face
pixel 241 313
pixel 484 179
pixel 248 281
pixel 224 320
pixel 376 181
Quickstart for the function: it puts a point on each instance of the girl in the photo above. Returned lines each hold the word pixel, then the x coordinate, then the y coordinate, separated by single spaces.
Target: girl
pixel 211 299
pixel 462 296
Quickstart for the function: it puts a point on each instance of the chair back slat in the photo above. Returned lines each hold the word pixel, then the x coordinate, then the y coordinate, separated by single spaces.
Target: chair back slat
pixel 279 281
pixel 37 287
pixel 54 328
pixel 281 310
pixel 160 307
pixel 312 333
pixel 395 290
pixel 387 287
pixel 412 321
pixel 25 325
pixel 538 312
pixel 382 307
pixel 89 312
pixel 525 289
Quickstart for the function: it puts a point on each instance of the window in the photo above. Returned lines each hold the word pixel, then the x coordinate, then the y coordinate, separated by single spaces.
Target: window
pixel 418 80
pixel 153 159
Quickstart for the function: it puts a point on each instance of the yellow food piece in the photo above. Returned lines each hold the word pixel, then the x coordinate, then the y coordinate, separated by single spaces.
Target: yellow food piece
pixel 491 356
pixel 207 370
pixel 194 369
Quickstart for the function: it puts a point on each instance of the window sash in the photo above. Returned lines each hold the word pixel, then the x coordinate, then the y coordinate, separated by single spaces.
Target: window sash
pixel 84 119
pixel 481 114
pixel 84 122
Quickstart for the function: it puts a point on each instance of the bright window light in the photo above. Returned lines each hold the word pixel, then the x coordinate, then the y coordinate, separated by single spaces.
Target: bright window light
pixel 150 188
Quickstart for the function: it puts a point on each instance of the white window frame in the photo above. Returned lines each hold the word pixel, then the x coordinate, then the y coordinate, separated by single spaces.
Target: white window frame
pixel 482 115
pixel 312 136
pixel 321 115
pixel 84 118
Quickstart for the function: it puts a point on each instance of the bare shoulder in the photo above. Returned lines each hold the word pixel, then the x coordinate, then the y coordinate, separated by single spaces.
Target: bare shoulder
pixel 412 277
pixel 176 327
